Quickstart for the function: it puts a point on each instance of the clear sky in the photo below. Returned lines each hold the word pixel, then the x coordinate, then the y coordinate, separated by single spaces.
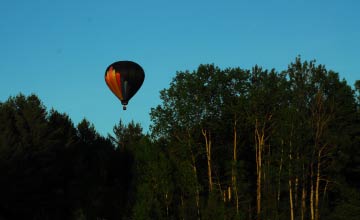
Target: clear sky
pixel 59 50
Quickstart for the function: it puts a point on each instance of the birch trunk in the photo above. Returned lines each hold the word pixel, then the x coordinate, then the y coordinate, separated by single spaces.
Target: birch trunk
pixel 317 186
pixel 303 202
pixel 321 117
pixel 317 215
pixel 291 200
pixel 259 144
pixel 290 185
pixel 233 178
pixel 279 175
pixel 207 138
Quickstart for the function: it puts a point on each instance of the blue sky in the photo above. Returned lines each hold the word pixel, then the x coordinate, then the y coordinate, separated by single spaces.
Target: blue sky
pixel 59 50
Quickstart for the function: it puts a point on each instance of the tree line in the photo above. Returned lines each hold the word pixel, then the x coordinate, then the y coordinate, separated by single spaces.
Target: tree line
pixel 227 143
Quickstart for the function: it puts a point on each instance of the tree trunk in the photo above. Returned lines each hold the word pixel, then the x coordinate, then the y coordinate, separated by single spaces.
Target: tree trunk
pixel 233 178
pixel 311 192
pixel 303 202
pixel 317 186
pixel 279 175
pixel 290 186
pixel 317 191
pixel 321 117
pixel 167 205
pixel 259 144
pixel 296 193
pixel 291 200
pixel 207 138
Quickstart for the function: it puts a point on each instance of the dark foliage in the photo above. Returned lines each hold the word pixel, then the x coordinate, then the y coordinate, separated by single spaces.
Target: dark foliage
pixel 51 169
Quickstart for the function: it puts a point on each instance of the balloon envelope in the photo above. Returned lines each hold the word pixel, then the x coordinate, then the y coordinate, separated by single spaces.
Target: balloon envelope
pixel 124 78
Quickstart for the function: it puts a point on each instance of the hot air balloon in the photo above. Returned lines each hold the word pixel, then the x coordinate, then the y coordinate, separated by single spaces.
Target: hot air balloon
pixel 124 78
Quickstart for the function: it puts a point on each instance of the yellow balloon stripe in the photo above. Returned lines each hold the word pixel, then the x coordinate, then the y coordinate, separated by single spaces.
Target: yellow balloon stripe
pixel 111 83
pixel 114 84
pixel 108 82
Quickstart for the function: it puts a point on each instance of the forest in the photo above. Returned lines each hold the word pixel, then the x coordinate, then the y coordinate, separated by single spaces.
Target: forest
pixel 233 143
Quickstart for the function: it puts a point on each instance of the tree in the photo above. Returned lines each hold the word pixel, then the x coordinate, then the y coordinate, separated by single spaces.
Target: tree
pixel 30 185
pixel 197 110
pixel 52 170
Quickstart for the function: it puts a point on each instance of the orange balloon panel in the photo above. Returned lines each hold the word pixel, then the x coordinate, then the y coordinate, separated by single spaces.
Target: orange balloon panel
pixel 112 82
